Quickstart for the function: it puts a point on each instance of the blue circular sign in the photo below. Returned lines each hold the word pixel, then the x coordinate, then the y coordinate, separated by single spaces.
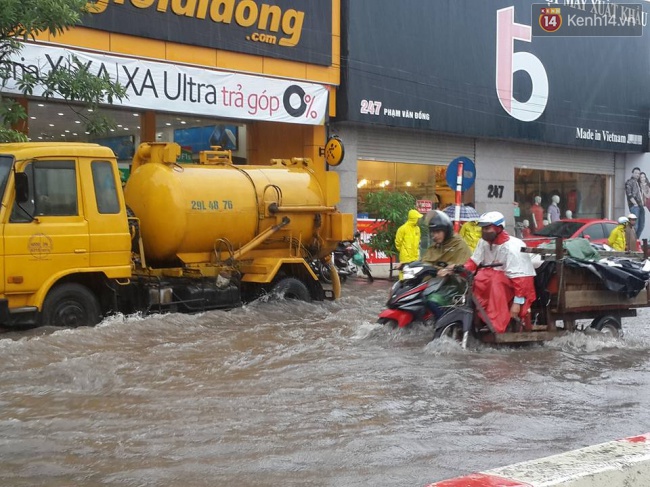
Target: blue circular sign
pixel 469 173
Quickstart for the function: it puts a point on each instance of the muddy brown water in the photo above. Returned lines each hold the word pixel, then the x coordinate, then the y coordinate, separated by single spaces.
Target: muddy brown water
pixel 301 394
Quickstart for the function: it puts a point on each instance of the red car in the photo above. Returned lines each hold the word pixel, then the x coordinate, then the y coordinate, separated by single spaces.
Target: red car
pixel 596 231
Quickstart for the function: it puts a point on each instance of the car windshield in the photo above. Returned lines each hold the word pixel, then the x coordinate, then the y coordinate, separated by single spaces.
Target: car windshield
pixel 559 229
pixel 5 166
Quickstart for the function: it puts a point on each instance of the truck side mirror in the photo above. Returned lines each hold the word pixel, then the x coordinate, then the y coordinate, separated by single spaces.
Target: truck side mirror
pixel 22 187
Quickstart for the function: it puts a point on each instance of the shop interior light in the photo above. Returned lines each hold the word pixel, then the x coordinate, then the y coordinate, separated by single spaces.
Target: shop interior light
pixel 362 183
pixel 408 183
pixel 77 121
pixel 51 124
pixel 386 183
pixel 60 114
pixel 41 105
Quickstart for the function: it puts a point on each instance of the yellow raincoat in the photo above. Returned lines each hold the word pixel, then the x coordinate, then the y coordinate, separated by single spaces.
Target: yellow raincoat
pixel 471 233
pixel 407 238
pixel 617 238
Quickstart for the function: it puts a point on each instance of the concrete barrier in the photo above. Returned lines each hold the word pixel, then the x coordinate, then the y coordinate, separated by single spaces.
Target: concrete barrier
pixel 621 463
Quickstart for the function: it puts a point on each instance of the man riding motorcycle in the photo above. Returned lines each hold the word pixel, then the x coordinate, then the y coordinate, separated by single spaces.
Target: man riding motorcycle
pixel 505 292
pixel 450 249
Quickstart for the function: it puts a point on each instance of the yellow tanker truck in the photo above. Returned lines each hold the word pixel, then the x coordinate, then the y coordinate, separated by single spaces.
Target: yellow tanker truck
pixel 179 237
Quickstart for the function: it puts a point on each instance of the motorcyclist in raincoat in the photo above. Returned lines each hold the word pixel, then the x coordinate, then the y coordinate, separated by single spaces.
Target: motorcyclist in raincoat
pixel 407 238
pixel 446 246
pixel 507 291
pixel 450 249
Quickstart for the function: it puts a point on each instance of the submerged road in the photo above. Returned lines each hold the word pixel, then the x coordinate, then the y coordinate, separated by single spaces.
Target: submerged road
pixel 301 394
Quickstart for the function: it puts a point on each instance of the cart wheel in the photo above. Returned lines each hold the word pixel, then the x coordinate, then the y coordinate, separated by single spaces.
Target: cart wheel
pixel 608 325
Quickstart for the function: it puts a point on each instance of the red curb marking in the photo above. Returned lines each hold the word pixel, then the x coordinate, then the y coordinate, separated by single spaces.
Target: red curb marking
pixel 638 439
pixel 479 480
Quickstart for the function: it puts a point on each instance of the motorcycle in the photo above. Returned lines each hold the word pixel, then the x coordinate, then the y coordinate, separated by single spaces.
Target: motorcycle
pixel 348 258
pixel 469 319
pixel 408 301
pixel 408 297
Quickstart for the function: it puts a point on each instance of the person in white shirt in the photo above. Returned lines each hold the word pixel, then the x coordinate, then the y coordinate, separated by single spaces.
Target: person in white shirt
pixel 507 291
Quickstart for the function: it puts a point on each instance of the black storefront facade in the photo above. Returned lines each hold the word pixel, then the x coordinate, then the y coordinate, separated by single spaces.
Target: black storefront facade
pixel 426 82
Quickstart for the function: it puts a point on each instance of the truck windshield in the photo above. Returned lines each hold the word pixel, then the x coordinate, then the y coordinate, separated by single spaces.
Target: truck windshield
pixel 6 163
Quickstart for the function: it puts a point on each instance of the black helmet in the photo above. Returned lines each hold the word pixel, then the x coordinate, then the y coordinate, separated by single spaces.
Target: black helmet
pixel 440 221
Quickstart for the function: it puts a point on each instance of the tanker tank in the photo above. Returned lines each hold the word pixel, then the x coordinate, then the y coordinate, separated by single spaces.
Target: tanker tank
pixel 184 210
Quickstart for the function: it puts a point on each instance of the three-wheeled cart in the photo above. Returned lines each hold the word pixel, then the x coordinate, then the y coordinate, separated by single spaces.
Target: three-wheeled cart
pixel 566 293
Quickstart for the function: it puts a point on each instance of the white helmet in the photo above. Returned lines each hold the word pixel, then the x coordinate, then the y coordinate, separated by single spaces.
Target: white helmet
pixel 492 218
pixel 623 220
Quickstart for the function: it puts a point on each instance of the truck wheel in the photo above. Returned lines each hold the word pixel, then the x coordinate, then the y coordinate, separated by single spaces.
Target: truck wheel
pixel 292 288
pixel 70 305
pixel 452 330
pixel 608 325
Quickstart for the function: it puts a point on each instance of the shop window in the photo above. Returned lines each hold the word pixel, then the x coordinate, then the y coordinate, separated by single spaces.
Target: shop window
pixel 64 122
pixel 425 182
pixel 52 191
pixel 195 134
pixel 581 194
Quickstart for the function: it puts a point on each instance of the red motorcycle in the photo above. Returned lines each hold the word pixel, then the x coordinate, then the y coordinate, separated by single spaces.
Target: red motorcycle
pixel 407 301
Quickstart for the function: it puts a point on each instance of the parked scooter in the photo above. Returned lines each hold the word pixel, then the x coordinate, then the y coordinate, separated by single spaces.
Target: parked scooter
pixel 349 258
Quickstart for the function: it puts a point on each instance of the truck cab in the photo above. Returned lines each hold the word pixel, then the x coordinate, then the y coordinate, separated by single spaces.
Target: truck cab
pixel 64 230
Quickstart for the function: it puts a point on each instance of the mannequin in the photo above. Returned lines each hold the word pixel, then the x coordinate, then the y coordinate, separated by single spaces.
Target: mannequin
pixel 553 210
pixel 568 214
pixel 525 230
pixel 537 213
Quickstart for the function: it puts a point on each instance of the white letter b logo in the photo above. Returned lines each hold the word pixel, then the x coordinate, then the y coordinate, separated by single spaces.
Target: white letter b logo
pixel 509 62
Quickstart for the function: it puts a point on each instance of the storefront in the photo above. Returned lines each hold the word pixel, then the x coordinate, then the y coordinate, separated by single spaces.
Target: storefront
pixel 254 77
pixel 426 83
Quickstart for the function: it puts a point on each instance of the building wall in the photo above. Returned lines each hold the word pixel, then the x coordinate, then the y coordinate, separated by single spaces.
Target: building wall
pixel 495 162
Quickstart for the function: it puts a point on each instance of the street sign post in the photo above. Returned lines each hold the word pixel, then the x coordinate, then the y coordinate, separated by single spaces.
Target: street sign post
pixel 461 174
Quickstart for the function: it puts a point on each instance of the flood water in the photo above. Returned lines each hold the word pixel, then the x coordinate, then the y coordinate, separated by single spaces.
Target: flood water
pixel 301 394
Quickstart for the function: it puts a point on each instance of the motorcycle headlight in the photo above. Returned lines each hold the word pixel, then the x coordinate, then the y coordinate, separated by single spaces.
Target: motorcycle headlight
pixel 411 272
